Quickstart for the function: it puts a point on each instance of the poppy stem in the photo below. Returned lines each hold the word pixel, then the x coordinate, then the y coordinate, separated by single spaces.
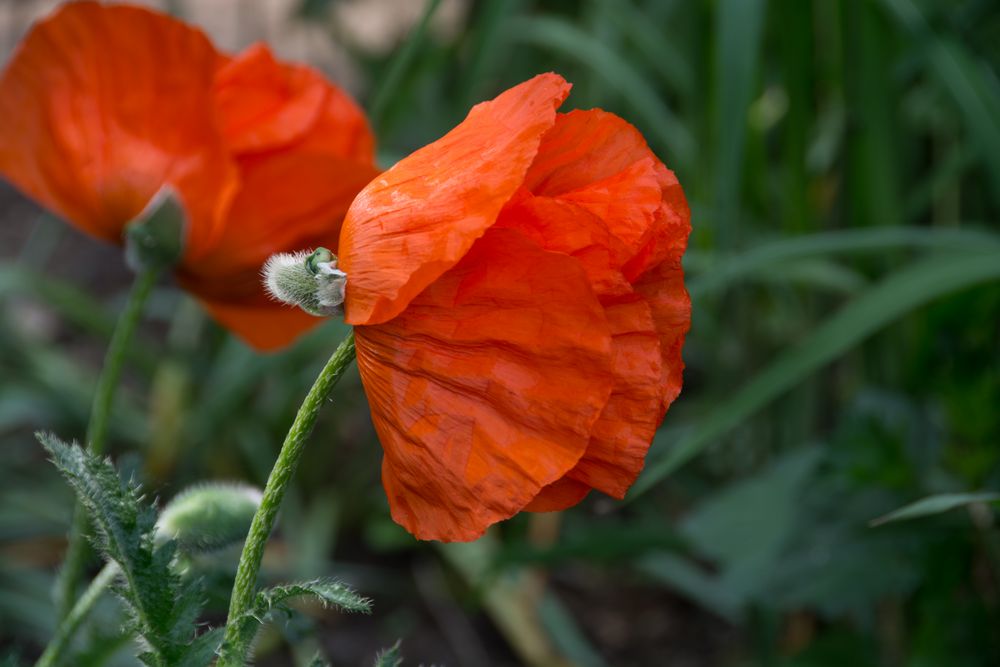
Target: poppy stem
pixel 78 551
pixel 234 646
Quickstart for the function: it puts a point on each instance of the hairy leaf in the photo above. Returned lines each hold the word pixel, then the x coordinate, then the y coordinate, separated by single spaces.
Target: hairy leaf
pixel 162 610
pixel 329 592
pixel 390 657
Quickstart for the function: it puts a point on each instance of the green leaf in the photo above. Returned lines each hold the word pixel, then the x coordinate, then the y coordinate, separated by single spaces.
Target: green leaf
pixel 895 296
pixel 390 657
pixel 746 524
pixel 162 610
pixel 936 505
pixel 329 592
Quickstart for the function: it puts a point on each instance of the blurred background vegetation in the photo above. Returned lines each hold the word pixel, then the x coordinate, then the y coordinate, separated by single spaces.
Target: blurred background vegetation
pixel 842 159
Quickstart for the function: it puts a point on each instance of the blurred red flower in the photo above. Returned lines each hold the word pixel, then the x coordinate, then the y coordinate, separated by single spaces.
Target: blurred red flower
pixel 102 106
pixel 520 309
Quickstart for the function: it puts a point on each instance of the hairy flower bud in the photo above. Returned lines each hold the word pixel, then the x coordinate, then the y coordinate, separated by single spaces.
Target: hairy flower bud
pixel 209 516
pixel 310 281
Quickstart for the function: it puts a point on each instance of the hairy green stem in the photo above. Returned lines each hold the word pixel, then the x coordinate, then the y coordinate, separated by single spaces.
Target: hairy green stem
pixel 69 625
pixel 77 552
pixel 234 650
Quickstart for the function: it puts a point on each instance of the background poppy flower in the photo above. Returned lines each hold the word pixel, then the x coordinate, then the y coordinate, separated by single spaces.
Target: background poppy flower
pixel 105 105
pixel 520 310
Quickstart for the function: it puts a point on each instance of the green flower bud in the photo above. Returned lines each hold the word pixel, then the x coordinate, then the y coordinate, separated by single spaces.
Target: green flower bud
pixel 155 238
pixel 310 281
pixel 209 517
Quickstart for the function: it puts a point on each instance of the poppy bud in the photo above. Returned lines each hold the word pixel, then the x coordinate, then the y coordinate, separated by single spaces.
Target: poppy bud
pixel 310 281
pixel 155 238
pixel 209 517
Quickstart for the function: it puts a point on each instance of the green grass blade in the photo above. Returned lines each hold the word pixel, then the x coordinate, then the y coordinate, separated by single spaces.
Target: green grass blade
pixel 399 67
pixel 935 505
pixel 664 58
pixel 897 295
pixel 724 272
pixel 739 29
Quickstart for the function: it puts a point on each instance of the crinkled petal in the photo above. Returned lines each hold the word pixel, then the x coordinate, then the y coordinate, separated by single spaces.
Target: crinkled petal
pixel 265 105
pixel 600 162
pixel 418 219
pixel 625 429
pixel 565 227
pixel 668 235
pixel 102 106
pixel 485 389
pixel 663 289
pixel 622 434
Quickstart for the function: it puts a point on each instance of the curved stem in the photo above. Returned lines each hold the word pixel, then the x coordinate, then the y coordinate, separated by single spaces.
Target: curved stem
pixel 234 649
pixel 97 429
pixel 69 625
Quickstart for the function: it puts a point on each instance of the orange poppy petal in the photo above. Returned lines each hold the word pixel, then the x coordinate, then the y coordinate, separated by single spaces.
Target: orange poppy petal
pixel 419 218
pixel 668 235
pixel 102 106
pixel 564 227
pixel 621 436
pixel 289 201
pixel 601 162
pixel 582 147
pixel 260 322
pixel 559 495
pixel 485 389
pixel 663 289
pixel 265 105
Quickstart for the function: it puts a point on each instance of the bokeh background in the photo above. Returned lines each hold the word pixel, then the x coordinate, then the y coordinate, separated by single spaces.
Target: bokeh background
pixel 842 159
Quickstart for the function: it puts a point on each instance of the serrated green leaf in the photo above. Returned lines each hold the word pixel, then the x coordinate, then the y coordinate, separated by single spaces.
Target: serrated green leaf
pixel 329 592
pixel 390 657
pixel 935 505
pixel 162 609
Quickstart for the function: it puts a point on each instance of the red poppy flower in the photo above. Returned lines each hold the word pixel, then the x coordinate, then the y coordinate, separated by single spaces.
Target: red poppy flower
pixel 519 305
pixel 103 106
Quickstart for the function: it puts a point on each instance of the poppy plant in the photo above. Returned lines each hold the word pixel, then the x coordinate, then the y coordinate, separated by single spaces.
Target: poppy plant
pixel 519 309
pixel 105 106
